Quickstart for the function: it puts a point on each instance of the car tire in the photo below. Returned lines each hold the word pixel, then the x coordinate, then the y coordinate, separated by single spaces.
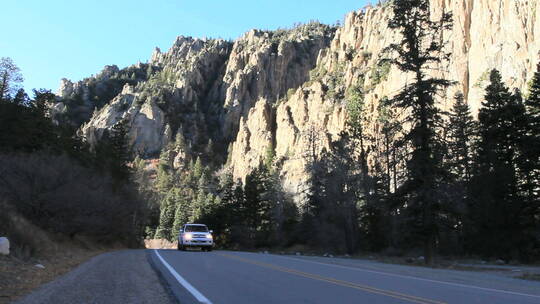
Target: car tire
pixel 209 249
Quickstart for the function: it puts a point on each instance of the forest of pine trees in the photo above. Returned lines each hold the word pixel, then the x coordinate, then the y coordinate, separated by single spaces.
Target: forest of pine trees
pixel 485 202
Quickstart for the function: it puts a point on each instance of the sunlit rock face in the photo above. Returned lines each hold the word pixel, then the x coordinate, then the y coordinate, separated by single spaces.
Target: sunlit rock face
pixel 277 88
pixel 173 96
pixel 486 35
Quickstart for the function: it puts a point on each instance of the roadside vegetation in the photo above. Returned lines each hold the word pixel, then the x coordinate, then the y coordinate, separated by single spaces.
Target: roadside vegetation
pixel 52 186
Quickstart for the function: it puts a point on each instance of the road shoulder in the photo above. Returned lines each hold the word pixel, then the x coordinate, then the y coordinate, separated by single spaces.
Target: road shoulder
pixel 116 277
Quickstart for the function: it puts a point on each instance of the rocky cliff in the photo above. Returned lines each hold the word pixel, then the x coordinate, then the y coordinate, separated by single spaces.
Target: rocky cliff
pixel 276 89
pixel 486 35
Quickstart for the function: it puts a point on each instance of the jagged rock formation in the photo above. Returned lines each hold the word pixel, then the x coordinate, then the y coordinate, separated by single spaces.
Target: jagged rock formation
pixel 486 35
pixel 173 98
pixel 265 65
pixel 77 101
pixel 277 89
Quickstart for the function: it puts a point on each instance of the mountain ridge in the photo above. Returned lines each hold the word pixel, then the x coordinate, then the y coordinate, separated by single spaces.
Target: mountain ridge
pixel 272 89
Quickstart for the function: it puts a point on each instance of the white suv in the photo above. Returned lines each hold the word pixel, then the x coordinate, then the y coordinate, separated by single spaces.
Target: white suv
pixel 195 235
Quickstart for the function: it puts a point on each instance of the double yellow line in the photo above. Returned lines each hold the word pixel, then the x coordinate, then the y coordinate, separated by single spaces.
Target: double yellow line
pixel 366 288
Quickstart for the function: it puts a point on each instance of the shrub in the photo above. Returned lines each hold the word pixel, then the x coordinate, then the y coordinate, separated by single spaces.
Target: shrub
pixel 59 195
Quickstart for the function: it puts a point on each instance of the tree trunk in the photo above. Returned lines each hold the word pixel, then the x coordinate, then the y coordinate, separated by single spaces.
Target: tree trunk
pixel 429 249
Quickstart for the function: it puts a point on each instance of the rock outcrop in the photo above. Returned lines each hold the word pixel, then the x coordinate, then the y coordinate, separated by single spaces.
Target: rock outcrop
pixel 265 65
pixel 174 96
pixel 486 35
pixel 276 89
pixel 205 87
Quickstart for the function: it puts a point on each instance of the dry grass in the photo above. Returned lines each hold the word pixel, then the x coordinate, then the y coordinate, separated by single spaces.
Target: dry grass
pixel 19 277
pixel 31 245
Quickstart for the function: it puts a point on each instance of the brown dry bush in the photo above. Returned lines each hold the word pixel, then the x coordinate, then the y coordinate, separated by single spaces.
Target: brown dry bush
pixel 59 195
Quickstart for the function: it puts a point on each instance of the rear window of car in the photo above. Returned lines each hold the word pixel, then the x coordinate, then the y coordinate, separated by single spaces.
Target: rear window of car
pixel 196 229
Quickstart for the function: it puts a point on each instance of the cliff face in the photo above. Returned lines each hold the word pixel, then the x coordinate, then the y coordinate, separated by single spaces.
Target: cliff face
pixel 486 35
pixel 265 65
pixel 200 89
pixel 283 89
pixel 173 98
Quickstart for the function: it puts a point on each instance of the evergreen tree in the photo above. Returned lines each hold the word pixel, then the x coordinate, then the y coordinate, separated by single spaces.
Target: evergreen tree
pixel 315 197
pixel 119 154
pixel 496 208
pixel 529 167
pixel 10 78
pixel 167 217
pixel 390 128
pixel 202 203
pixel 419 50
pixel 531 144
pixel 239 203
pixel 269 209
pixel 253 190
pixel 21 98
pixel 458 162
pixel 183 211
pixel 460 135
pixel 198 169
pixel 224 207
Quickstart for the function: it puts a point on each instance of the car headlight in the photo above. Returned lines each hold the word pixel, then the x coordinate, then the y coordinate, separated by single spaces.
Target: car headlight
pixel 188 236
pixel 208 236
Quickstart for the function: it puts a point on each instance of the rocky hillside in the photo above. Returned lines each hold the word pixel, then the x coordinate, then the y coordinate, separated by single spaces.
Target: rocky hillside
pixel 233 101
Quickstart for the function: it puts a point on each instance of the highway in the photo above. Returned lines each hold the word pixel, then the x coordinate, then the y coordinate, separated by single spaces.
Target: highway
pixel 241 277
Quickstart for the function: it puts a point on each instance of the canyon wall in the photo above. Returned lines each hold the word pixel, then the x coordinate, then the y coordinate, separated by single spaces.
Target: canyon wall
pixel 275 89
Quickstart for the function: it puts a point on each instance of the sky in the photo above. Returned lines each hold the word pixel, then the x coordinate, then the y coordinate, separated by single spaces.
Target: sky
pixel 54 39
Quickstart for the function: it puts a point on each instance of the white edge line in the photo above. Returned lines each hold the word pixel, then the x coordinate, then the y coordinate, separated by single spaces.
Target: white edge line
pixel 414 278
pixel 199 296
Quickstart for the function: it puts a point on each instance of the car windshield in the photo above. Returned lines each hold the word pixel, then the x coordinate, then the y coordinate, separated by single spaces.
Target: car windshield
pixel 196 228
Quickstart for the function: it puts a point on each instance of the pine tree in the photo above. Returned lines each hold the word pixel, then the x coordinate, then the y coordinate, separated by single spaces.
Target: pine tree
pixel 10 78
pixel 269 206
pixel 119 154
pixel 165 175
pixel 419 50
pixel 198 169
pixel 460 135
pixel 390 128
pixel 226 188
pixel 21 98
pixel 167 217
pixel 497 206
pixel 252 203
pixel 531 143
pixel 529 164
pixel 356 137
pixel 182 212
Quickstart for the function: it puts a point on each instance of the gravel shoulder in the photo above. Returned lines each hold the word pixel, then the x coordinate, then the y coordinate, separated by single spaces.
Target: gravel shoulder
pixel 20 276
pixel 115 277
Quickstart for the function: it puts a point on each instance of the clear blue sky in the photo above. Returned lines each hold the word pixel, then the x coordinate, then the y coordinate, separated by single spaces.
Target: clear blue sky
pixel 52 39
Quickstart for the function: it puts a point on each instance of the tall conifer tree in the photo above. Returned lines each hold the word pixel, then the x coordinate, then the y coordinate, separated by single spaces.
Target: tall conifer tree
pixel 496 208
pixel 420 50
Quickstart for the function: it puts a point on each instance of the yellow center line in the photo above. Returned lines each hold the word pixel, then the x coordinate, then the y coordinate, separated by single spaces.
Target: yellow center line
pixel 366 288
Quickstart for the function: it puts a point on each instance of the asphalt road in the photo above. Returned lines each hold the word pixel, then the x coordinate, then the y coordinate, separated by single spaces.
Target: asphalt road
pixel 240 277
